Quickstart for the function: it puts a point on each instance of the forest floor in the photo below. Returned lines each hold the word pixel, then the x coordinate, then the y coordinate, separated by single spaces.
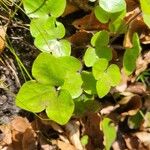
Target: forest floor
pixel 21 130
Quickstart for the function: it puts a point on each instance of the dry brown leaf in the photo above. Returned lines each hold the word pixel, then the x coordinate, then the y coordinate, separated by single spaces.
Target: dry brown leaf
pixel 2 37
pixel 20 124
pixel 90 124
pixel 70 8
pixel 29 141
pixel 144 138
pixel 63 145
pixel 7 136
pixel 136 25
pixel 72 128
pixel 80 39
pixel 89 22
pixel 130 105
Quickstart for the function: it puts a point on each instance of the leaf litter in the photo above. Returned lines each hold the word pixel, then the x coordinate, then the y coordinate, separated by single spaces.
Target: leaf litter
pixel 21 133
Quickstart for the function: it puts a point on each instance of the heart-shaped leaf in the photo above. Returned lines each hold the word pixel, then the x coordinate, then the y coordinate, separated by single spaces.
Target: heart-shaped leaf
pixel 60 110
pixel 35 96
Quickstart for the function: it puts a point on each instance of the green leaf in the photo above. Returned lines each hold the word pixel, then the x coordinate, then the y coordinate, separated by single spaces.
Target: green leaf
pixel 73 84
pixel 69 63
pixel 40 8
pixel 101 14
pixel 35 9
pixel 46 69
pixel 60 110
pixel 56 7
pixel 146 11
pixel 104 52
pixel 112 6
pixel 103 85
pixel 114 74
pixel 34 96
pixel 89 82
pixel 42 25
pixel 99 67
pixel 109 131
pixel 102 39
pixel 90 57
pixel 84 140
pixel 131 55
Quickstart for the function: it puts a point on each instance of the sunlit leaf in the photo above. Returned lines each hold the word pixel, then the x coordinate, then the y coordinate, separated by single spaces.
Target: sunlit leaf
pixel 60 110
pixel 34 96
pixel 114 73
pixel 72 84
pixel 101 14
pixel 46 69
pixel 90 57
pixel 108 128
pixel 146 11
pixel 103 85
pixel 112 6
pixel 99 67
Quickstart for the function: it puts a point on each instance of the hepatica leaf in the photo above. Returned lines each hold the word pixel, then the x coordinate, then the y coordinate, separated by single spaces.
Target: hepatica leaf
pixel 73 84
pixel 114 73
pixel 90 57
pixel 146 11
pixel 35 96
pixel 103 85
pixel 47 70
pixel 89 82
pixel 40 8
pixel 61 109
pixel 112 6
pixel 109 131
pixel 101 14
pixel 131 55
pixel 99 67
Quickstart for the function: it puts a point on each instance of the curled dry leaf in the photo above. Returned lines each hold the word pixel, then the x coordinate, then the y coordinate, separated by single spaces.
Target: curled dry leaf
pixel 72 128
pixel 144 137
pixel 136 88
pixel 136 25
pixel 130 105
pixel 2 37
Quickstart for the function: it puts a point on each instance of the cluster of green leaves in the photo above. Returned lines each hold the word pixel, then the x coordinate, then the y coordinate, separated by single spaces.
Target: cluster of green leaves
pixel 111 11
pixel 103 76
pixel 45 27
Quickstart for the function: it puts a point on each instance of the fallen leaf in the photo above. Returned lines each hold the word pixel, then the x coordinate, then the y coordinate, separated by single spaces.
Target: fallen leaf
pixel 89 22
pixel 2 37
pixel 72 128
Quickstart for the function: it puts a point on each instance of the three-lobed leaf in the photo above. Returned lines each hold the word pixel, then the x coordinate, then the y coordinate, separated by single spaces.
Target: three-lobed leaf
pixel 34 96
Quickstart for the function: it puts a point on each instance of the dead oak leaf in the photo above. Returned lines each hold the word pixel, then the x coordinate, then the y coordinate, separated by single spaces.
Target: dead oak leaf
pixel 2 37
